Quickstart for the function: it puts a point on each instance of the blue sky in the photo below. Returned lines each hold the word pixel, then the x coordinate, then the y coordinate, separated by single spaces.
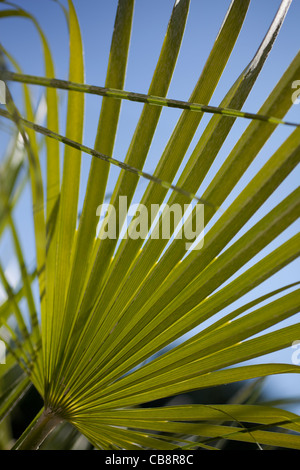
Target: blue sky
pixel 149 25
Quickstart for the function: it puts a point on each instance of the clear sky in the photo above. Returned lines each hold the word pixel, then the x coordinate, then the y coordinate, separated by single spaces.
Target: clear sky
pixel 96 18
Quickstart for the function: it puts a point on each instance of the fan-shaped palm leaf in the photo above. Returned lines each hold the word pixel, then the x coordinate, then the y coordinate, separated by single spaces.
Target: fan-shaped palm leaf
pixel 109 304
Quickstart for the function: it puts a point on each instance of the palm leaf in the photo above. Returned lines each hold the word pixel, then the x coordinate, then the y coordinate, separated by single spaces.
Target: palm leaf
pixel 114 311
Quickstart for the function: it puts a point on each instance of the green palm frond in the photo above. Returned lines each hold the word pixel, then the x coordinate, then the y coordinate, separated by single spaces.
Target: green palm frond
pixel 105 336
